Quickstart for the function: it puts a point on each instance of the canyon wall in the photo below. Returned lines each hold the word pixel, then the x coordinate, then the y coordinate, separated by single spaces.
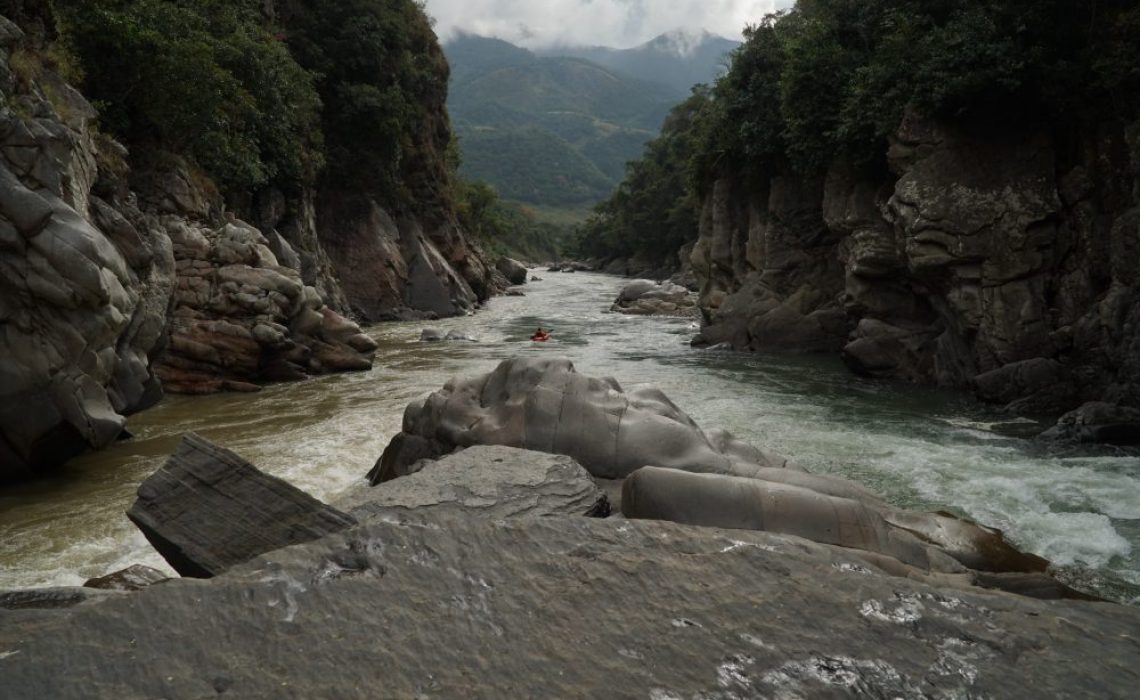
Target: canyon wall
pixel 123 274
pixel 999 260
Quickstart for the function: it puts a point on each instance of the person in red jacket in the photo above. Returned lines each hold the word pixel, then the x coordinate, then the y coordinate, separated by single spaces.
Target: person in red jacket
pixel 540 335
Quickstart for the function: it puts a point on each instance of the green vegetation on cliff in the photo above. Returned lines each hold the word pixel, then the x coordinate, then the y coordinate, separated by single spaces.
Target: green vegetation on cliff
pixel 833 79
pixel 254 93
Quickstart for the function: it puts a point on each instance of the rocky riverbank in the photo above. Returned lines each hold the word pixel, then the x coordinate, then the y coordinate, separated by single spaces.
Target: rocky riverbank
pixel 478 574
pixel 126 274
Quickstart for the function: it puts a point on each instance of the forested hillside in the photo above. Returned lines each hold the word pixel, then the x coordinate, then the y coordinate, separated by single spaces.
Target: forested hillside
pixel 547 131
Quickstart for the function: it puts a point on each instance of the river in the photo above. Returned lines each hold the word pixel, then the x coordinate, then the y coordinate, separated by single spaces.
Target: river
pixel 921 447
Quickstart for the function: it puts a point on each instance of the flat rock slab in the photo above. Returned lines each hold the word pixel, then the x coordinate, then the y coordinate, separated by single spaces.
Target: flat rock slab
pixel 567 607
pixel 208 509
pixel 491 481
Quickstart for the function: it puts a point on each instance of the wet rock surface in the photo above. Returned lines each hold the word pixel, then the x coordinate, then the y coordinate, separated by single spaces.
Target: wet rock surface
pixel 1097 422
pixel 709 479
pixel 207 509
pixel 132 578
pixel 566 607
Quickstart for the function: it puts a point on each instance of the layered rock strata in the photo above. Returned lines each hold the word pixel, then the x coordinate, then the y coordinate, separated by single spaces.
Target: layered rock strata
pixel 989 260
pixel 207 510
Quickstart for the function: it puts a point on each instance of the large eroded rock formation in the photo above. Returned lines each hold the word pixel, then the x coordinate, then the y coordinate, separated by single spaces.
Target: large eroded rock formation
pixel 674 470
pixel 123 275
pixel 998 261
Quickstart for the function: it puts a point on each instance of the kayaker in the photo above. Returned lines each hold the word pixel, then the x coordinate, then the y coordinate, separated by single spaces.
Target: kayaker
pixel 540 335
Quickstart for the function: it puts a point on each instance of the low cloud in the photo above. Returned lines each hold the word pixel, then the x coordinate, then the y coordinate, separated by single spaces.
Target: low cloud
pixel 619 23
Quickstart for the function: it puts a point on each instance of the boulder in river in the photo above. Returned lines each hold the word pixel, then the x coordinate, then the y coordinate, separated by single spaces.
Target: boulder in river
pixel 133 578
pixel 926 541
pixel 513 270
pixel 1097 422
pixel 207 509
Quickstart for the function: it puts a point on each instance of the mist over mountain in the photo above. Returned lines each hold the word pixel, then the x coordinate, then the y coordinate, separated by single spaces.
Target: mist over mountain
pixel 678 59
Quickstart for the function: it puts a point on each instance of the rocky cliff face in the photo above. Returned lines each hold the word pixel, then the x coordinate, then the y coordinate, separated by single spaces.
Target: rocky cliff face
pixel 999 261
pixel 114 285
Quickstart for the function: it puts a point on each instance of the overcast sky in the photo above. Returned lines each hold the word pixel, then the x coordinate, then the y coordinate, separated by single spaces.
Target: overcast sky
pixel 619 23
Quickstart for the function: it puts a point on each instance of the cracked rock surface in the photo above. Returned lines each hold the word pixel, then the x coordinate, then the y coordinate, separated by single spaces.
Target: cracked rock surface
pixel 565 607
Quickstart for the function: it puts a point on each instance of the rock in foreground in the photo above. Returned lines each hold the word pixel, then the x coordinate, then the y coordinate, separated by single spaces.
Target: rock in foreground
pixel 566 607
pixel 491 481
pixel 207 509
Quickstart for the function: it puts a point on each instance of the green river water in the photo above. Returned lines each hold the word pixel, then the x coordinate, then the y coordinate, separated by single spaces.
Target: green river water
pixel 921 447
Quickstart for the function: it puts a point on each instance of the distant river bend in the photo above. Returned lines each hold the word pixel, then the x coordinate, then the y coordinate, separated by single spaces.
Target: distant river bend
pixel 920 447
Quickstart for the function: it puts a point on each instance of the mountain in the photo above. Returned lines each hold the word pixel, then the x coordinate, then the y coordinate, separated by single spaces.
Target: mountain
pixel 552 131
pixel 677 59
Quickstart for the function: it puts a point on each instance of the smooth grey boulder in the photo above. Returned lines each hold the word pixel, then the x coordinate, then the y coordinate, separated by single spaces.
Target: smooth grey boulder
pixel 567 607
pixel 431 335
pixel 491 481
pixel 545 405
pixel 513 270
pixel 207 509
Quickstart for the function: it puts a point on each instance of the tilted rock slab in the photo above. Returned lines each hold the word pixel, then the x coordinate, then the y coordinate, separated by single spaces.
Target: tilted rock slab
pixel 207 509
pixel 566 607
